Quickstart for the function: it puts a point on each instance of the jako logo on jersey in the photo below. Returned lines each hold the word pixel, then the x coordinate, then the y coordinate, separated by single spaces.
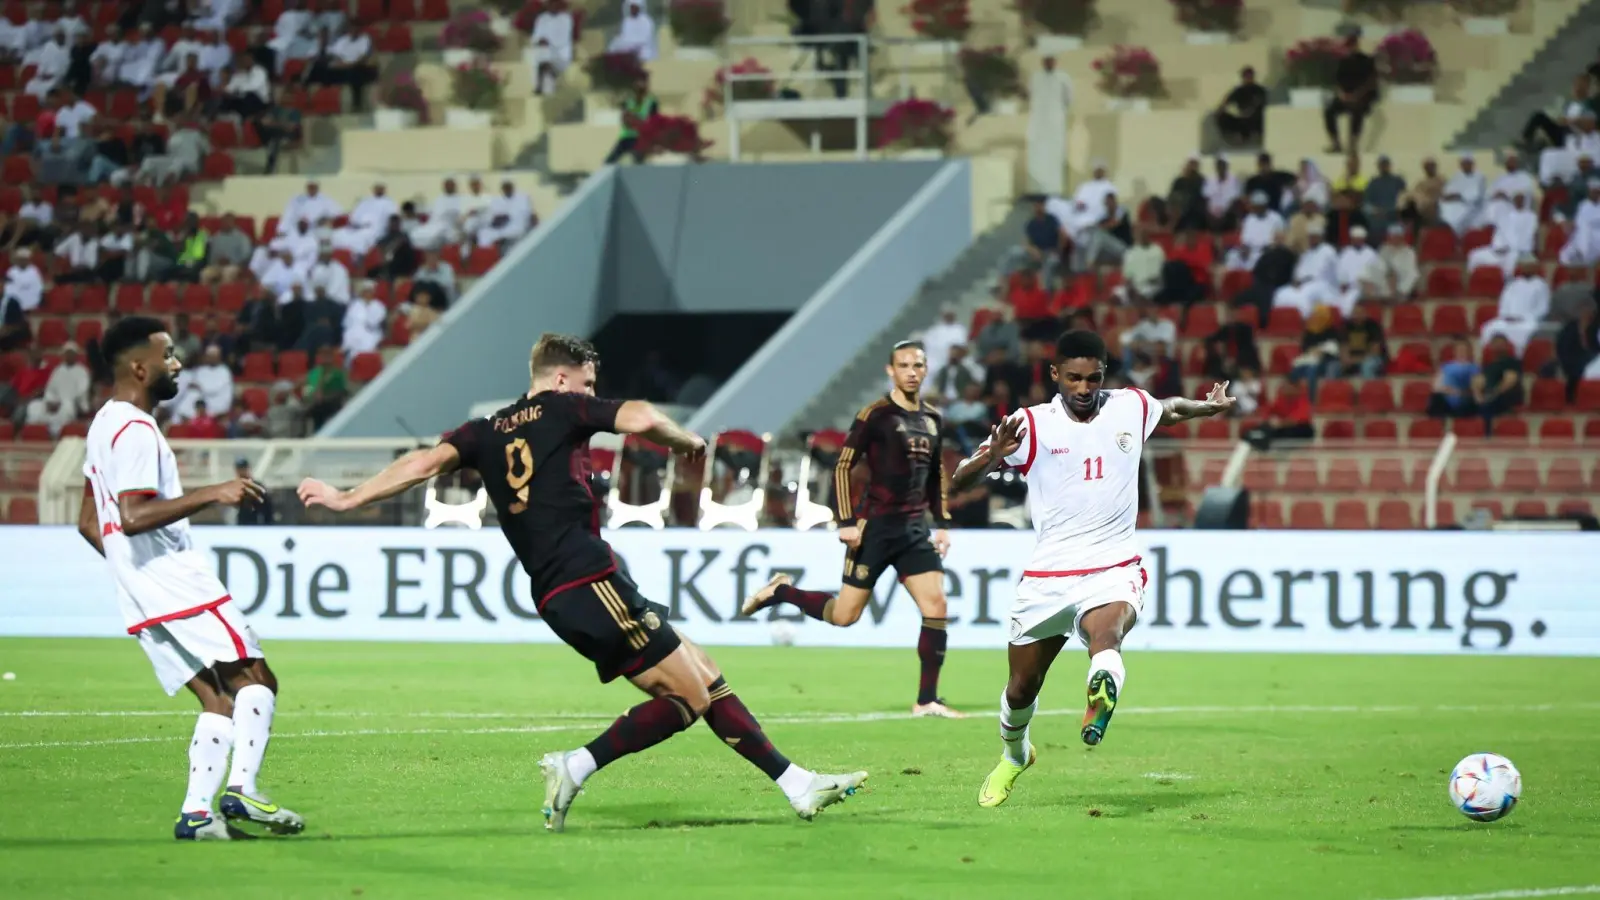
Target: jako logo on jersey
pixel 1059 450
pixel 1125 441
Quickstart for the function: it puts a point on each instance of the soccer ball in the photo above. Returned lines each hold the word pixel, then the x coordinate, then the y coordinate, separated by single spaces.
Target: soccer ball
pixel 783 633
pixel 1485 787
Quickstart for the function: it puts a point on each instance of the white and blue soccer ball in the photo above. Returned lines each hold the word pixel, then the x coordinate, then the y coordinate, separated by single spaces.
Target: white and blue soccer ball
pixel 1485 787
pixel 783 633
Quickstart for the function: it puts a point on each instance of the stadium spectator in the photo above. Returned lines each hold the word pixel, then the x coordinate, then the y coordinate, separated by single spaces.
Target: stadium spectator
pixel 34 217
pixel 552 45
pixel 202 425
pixel 1399 258
pixel 188 93
pixel 1000 403
pixel 116 244
pixel 1578 349
pixel 1312 186
pixel 637 108
pixel 280 276
pixel 1141 269
pixel 1277 185
pixel 58 164
pixel 1222 193
pixel 1049 109
pixel 1319 350
pixel 1044 243
pixel 185 342
pixel 209 382
pixel 294 35
pixel 1558 163
pixel 302 245
pixel 1555 129
pixel 1355 90
pixel 397 257
pixel 1315 281
pixel 1288 418
pixel 1343 219
pixel 318 319
pixel 1031 303
pixel 1184 207
pixel 1463 204
pixel 1498 388
pixel 286 413
pixel 217 15
pixel 1308 220
pixel 1186 275
pixel 279 124
pixel 1242 116
pixel 364 320
pixel 69 382
pixel 444 219
pixel 367 222
pixel 510 217
pixel 193 249
pixel 329 20
pixel 1421 205
pixel 328 279
pixel 1380 201
pixel 1103 242
pixel 966 417
pixel 80 250
pixel 1583 244
pixel 137 68
pixel 1360 271
pixel 229 252
pixel 1245 389
pixel 258 326
pixel 1261 227
pixel 1000 337
pixel 49 412
pixel 1231 349
pixel 1524 302
pixel 48 61
pixel 184 153
pixel 1577 190
pixel 246 89
pixel 243 422
pixel 1514 182
pixel 326 388
pixel 637 34
pixel 950 381
pixel 433 289
pixel 1351 179
pixel 1145 334
pixel 347 60
pixel 1516 235
pixel 1363 350
pixel 1453 385
pixel 941 336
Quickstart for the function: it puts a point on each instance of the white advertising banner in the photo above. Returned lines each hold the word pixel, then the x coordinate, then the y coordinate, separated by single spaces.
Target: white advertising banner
pixel 1354 592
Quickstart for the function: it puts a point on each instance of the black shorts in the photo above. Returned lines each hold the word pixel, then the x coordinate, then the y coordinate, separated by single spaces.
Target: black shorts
pixel 612 625
pixel 906 544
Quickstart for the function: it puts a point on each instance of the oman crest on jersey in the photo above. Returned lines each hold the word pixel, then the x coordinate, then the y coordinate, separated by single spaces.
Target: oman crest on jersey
pixel 1125 441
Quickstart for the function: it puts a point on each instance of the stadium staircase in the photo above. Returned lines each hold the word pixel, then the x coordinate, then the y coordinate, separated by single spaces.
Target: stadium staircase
pixel 1545 76
pixel 965 286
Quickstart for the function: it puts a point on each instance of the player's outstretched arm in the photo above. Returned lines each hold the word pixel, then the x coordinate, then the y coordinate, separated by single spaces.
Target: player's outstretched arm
pixel 400 476
pixel 643 419
pixel 89 519
pixel 1179 409
pixel 143 512
pixel 1004 439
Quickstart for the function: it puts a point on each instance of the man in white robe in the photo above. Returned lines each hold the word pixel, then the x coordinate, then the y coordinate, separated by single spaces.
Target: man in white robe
pixel 302 246
pixel 50 61
pixel 1260 229
pixel 1583 246
pixel 510 216
pixel 210 382
pixel 1462 204
pixel 140 59
pixel 1221 190
pixel 1360 272
pixel 1558 163
pixel 551 50
pixel 1515 182
pixel 313 206
pixel 1524 302
pixel 444 220
pixel 367 222
pixel 1316 279
pixel 293 34
pixel 1049 105
pixel 637 34
pixel 363 322
pixel 1401 272
pixel 329 278
pixel 474 211
pixel 280 277
pixel 1516 233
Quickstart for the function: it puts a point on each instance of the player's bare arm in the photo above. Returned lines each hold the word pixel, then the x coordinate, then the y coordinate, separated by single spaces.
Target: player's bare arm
pixel 643 419
pixel 147 512
pixel 89 520
pixel 1004 439
pixel 402 475
pixel 1180 409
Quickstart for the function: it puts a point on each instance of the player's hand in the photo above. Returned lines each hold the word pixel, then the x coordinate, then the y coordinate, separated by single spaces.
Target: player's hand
pixel 850 536
pixel 237 491
pixel 1006 437
pixel 319 493
pixel 1218 401
pixel 941 542
pixel 696 452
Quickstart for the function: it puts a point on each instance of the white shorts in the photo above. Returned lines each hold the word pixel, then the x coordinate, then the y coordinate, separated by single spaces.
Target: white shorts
pixel 1054 606
pixel 180 649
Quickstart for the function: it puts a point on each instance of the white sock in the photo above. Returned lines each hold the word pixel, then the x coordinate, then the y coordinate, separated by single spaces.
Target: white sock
pixel 208 760
pixel 1014 729
pixel 252 728
pixel 1110 661
pixel 581 764
pixel 795 781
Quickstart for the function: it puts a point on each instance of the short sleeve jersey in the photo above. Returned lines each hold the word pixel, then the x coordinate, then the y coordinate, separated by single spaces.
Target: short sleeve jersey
pixel 534 460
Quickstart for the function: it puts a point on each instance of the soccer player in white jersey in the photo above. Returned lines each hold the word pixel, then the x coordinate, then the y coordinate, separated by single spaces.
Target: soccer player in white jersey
pixel 136 515
pixel 1080 456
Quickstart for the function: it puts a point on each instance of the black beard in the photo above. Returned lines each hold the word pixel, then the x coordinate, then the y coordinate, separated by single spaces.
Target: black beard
pixel 164 388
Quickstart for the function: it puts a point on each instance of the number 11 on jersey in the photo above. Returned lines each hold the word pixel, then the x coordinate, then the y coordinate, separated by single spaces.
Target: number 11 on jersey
pixel 1094 467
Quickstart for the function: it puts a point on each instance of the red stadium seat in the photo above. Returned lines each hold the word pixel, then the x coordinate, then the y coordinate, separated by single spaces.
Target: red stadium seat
pixel 1261 475
pixel 1539 352
pixel 1282 359
pixel 1395 515
pixel 399 332
pixel 1588 398
pixel 130 298
pixel 1444 282
pixel 396 39
pixel 1557 431
pixel 1344 474
pixel 1482 313
pixel 369 11
pixel 434 10
pixel 1509 430
pixel 1376 396
pixel 1469 429
pixel 1521 475
pixel 1335 396
pixel 1414 396
pixel 1471 475
pixel 18 170
pixel 1380 430
pixel 1301 475
pixel 1574 508
pixel 1555 237
pixel 8 431
pixel 163 299
pixel 1547 395
pixel 1485 282
pixel 1389 476
pixel 1425 430
pixel 93 299
pixel 1285 323
pixel 197 298
pixel 231 296
pixel 482 260
pixel 1450 319
pixel 23 511
pixel 217 166
pixel 1531 509
pixel 1202 321
pixel 1307 514
pixel 293 365
pixel 1566 476
pixel 406 11
pixel 327 101
pixel 1477 237
pixel 365 367
pixel 1233 283
pixel 1438 245
pixel 1214 430
pixel 34 434
pixel 1338 430
pixel 1351 515
pixel 87 330
pixel 60 300
pixel 52 332
pixel 257 367
pixel 1406 321
pixel 1266 514
pixel 224 134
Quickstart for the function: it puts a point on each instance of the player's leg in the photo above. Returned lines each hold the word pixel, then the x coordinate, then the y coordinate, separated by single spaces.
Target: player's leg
pixel 922 572
pixel 254 687
pixel 613 626
pixel 198 819
pixel 1029 661
pixel 1102 629
pixel 862 566
pixel 808 792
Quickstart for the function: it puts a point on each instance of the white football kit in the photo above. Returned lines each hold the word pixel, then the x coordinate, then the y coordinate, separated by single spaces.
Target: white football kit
pixel 170 598
pixel 1083 498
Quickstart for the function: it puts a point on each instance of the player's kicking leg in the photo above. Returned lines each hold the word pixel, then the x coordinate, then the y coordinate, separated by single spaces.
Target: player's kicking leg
pixel 198 818
pixel 1103 629
pixel 808 792
pixel 255 700
pixel 1029 663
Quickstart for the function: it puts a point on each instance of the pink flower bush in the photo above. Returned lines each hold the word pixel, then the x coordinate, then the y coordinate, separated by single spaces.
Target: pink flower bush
pixel 476 85
pixel 940 20
pixel 470 30
pixel 403 92
pixel 1407 57
pixel 916 124
pixel 742 90
pixel 671 134
pixel 1210 15
pixel 992 71
pixel 1129 72
pixel 1311 63
pixel 615 73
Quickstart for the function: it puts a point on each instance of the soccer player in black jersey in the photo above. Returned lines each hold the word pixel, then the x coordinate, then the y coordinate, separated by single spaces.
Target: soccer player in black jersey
pixel 898 439
pixel 533 456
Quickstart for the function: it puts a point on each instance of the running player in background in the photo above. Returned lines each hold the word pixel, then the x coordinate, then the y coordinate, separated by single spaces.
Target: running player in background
pixel 533 456
pixel 1080 456
pixel 898 438
pixel 136 515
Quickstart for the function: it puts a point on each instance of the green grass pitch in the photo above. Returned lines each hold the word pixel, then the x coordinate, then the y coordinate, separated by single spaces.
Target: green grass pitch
pixel 1229 776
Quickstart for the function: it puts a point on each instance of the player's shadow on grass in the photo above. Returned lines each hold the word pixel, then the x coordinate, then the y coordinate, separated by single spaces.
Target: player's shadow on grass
pixel 1122 803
